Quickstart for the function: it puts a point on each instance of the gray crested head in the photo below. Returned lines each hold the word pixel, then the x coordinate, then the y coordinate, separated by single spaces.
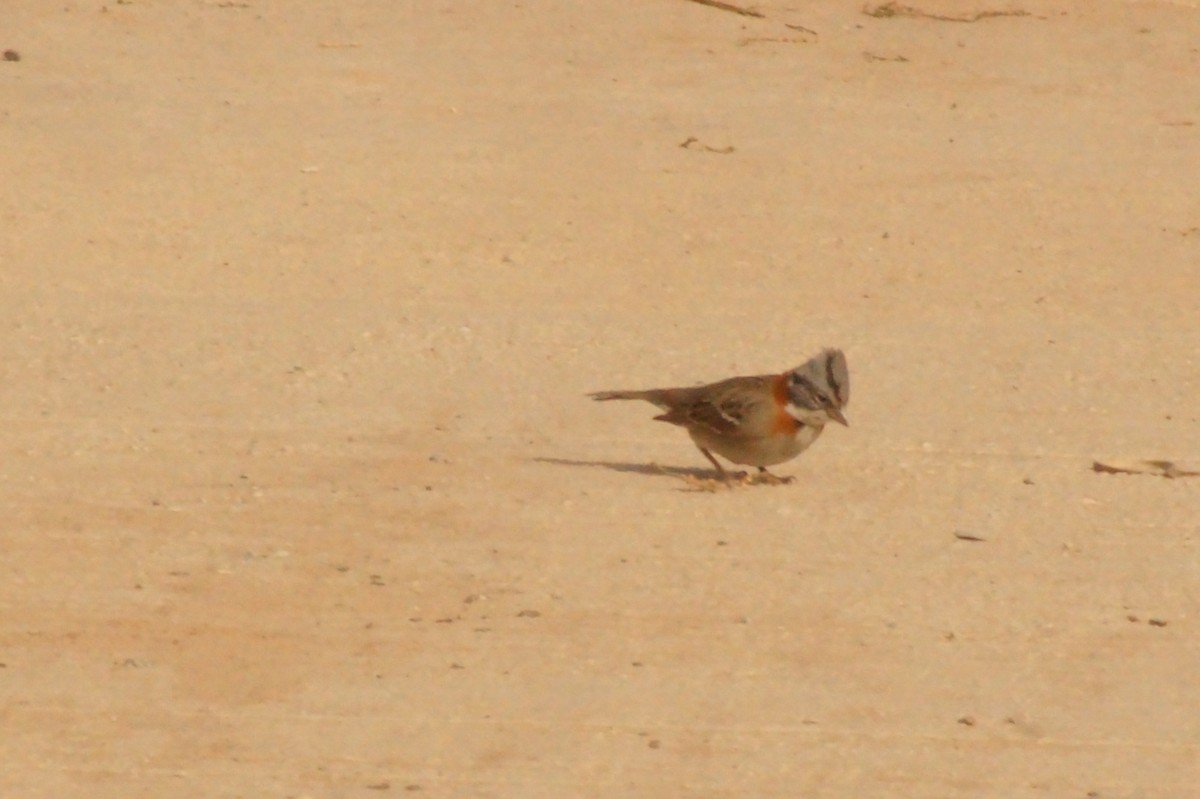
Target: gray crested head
pixel 819 389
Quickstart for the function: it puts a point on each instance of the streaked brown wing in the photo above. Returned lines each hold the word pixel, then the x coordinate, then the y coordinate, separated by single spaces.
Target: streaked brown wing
pixel 721 407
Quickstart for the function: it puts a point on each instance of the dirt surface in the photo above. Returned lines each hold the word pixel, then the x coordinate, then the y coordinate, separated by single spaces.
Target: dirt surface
pixel 302 496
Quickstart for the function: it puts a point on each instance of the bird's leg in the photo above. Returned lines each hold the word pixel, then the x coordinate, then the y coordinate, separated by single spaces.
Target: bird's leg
pixel 764 476
pixel 720 469
pixel 722 475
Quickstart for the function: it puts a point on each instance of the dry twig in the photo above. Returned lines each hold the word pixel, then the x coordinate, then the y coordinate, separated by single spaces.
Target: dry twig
pixel 688 143
pixel 745 12
pixel 1156 468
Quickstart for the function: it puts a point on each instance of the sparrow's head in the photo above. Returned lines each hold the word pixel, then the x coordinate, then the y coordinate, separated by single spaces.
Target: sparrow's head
pixel 819 389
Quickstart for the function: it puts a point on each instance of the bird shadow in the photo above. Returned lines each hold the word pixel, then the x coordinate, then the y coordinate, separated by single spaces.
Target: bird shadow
pixel 694 478
pixel 651 469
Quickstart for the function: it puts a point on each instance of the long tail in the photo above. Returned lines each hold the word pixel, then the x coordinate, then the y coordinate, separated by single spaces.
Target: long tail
pixel 656 396
pixel 622 395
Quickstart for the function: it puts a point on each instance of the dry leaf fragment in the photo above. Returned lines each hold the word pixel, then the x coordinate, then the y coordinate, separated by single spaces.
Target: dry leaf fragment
pixel 894 9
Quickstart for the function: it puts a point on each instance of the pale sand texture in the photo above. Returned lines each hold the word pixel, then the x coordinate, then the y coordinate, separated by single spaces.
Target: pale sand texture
pixel 301 495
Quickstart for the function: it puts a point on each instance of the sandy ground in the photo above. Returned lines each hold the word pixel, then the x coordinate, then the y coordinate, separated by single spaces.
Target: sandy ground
pixel 301 496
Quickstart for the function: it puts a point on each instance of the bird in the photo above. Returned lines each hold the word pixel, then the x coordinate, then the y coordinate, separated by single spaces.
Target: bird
pixel 758 420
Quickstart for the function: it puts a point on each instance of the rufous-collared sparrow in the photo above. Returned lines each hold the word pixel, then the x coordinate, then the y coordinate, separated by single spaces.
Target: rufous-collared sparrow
pixel 756 421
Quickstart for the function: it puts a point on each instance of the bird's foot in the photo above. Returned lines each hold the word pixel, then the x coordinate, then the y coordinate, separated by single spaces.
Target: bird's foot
pixel 766 478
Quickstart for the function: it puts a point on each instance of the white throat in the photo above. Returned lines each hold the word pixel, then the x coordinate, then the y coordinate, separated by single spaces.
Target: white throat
pixel 806 415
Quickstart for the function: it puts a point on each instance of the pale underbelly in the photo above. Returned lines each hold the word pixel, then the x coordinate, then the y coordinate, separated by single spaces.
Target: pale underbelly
pixel 758 452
